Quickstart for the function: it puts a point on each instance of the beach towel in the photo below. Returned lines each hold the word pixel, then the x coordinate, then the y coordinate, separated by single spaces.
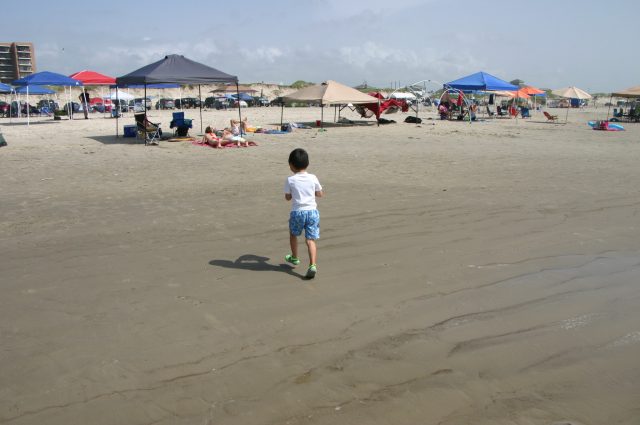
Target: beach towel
pixel 229 145
pixel 181 139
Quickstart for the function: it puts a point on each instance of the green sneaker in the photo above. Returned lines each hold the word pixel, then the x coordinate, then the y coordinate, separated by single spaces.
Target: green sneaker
pixel 291 259
pixel 311 271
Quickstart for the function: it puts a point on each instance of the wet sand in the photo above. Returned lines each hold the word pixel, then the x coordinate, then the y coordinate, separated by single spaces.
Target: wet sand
pixel 485 273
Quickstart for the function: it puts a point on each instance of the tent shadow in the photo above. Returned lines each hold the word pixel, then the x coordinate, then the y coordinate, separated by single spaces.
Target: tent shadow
pixel 113 140
pixel 328 124
pixel 256 263
pixel 24 123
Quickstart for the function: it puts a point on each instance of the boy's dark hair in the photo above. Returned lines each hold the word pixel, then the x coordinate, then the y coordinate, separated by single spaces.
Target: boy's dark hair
pixel 299 159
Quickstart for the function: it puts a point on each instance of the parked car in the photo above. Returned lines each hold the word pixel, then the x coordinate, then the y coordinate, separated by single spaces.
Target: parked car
pixel 165 103
pixel 187 103
pixel 4 109
pixel 142 102
pixel 216 103
pixel 262 101
pixel 75 107
pixel 278 101
pixel 124 105
pixel 50 104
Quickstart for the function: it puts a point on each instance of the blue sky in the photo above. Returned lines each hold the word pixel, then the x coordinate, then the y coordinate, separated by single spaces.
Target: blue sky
pixel 548 43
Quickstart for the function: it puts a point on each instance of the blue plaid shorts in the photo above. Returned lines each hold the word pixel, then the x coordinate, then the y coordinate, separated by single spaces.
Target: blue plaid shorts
pixel 309 220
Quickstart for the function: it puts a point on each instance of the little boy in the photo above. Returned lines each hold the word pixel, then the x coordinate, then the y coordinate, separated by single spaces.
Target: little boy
pixel 303 188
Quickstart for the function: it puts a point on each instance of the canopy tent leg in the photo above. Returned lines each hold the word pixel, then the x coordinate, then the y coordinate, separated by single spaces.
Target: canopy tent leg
pixel 200 98
pixel 609 109
pixel 239 108
pixel 321 115
pixel 335 108
pixel 70 105
pixel 144 107
pixel 117 110
pixel 281 113
pixel 28 111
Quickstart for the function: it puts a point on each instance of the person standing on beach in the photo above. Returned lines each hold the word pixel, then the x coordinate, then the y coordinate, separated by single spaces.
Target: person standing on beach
pixel 84 101
pixel 302 189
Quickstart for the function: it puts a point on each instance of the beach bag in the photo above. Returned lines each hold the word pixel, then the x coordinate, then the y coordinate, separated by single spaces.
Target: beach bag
pixel 413 120
pixel 2 141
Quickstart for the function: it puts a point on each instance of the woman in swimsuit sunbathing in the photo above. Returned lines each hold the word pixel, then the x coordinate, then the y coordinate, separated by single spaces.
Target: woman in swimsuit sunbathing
pixel 210 138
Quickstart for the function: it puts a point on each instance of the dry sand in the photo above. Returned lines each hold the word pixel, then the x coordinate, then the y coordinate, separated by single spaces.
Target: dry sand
pixel 468 274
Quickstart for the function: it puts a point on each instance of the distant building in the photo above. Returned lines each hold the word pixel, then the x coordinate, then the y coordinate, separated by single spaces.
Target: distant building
pixel 17 60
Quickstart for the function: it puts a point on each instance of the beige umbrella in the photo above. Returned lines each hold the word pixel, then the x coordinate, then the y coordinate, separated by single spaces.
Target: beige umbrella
pixel 571 93
pixel 331 93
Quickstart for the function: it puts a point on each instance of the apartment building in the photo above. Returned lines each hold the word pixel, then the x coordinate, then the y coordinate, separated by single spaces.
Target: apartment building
pixel 17 60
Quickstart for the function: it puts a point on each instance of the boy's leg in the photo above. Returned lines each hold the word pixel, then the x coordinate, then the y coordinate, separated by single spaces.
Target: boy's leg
pixel 293 240
pixel 311 247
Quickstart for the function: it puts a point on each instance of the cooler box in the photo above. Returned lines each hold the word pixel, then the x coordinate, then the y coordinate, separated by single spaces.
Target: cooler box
pixel 130 131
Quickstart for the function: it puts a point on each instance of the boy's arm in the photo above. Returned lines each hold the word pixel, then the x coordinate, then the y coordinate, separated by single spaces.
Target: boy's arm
pixel 319 193
pixel 287 190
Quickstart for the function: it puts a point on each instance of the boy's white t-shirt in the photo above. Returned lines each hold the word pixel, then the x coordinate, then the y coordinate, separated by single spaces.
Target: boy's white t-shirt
pixel 303 187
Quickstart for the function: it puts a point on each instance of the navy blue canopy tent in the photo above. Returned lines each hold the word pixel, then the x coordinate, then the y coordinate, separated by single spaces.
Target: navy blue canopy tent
pixel 177 69
pixel 5 88
pixel 141 86
pixel 480 81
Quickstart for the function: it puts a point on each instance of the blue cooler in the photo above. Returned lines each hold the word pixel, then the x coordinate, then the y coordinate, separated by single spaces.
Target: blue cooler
pixel 130 131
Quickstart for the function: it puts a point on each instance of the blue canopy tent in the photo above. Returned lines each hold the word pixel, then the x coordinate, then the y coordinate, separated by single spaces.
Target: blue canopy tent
pixel 46 78
pixel 5 88
pixel 34 89
pixel 243 96
pixel 480 81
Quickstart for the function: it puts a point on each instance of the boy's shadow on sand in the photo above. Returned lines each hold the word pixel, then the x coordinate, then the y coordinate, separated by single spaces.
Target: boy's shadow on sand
pixel 256 263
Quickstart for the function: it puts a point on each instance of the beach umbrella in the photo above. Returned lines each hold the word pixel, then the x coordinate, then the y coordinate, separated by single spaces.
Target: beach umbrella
pixel 571 93
pixel 330 93
pixel 531 90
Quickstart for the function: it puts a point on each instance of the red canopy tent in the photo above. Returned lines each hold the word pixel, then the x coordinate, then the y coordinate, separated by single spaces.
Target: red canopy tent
pixel 92 78
pixel 367 110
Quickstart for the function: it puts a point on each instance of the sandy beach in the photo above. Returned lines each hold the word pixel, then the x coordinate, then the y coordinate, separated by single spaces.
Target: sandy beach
pixel 483 273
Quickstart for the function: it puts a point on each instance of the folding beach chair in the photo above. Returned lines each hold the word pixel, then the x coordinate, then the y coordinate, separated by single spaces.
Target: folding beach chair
pixel 489 111
pixel 147 130
pixel 552 118
pixel 181 124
